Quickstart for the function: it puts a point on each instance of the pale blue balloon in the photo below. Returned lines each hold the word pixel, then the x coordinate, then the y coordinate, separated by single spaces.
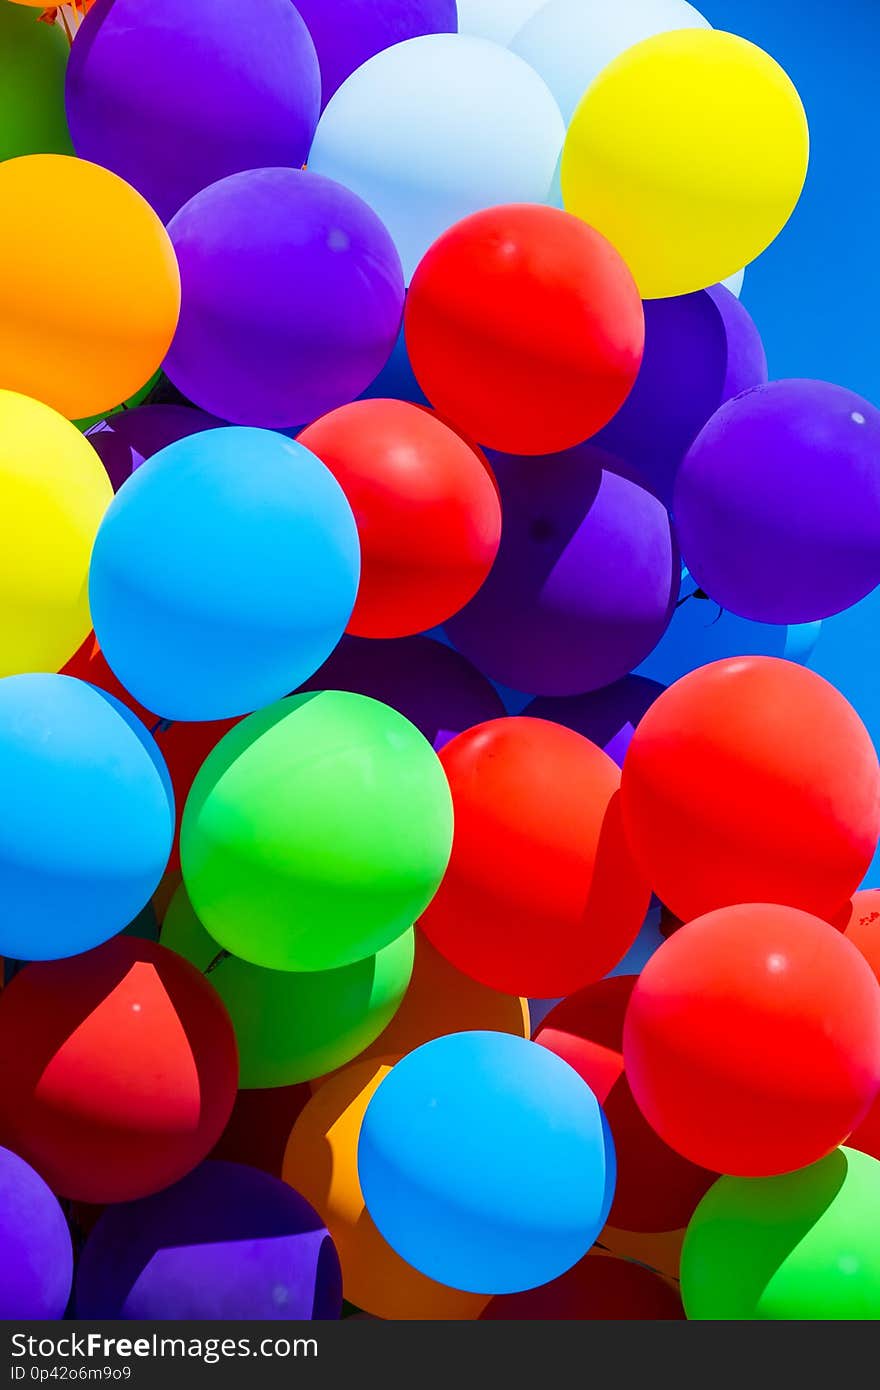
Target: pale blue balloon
pixel 497 20
pixel 486 1162
pixel 437 128
pixel 569 42
pixel 701 632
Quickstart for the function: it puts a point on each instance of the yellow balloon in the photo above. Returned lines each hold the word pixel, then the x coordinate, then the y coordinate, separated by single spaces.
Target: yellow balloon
pixel 53 493
pixel 689 153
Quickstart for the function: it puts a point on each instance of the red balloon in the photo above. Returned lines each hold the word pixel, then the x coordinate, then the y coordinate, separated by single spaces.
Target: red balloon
pixel 525 328
pixel 541 895
pixel 88 664
pixel 752 780
pixel 185 747
pixel 657 1189
pixel 862 928
pixel 752 1040
pixel 259 1127
pixel 427 510
pixel 118 1070
pixel 600 1288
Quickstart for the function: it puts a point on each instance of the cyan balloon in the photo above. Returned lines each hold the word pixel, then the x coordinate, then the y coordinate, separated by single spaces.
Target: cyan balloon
pixel 223 574
pixel 435 129
pixel 86 819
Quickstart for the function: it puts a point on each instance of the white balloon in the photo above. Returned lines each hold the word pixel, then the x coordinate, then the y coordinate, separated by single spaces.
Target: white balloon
pixel 497 20
pixel 569 42
pixel 437 128
pixel 734 283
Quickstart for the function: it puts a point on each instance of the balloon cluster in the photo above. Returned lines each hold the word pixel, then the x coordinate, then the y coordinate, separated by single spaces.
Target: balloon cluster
pixel 409 578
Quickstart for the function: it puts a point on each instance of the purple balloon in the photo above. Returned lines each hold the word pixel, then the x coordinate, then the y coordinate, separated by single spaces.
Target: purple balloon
pixel 585 582
pixel 777 504
pixel 433 686
pixel 292 298
pixel 348 32
pixel 125 440
pixel 227 1242
pixel 36 1255
pixel 700 350
pixel 608 717
pixel 175 94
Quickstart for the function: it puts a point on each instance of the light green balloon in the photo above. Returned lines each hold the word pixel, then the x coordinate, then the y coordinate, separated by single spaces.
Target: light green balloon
pixel 801 1247
pixel 316 832
pixel 33 61
pixel 292 1026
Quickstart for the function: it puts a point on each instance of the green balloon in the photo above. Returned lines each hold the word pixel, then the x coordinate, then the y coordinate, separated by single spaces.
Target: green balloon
pixel 292 1026
pixel 316 832
pixel 801 1247
pixel 33 61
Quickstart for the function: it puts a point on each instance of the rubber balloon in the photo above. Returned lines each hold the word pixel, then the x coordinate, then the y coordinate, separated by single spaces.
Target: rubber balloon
pixel 777 504
pixel 525 329
pixel 259 1127
pixel 497 20
pixel 600 1288
pixel 752 1040
pixel 425 680
pixel 36 1269
pixel 427 508
pixel 657 1189
pixel 541 895
pixel 54 493
pixel 435 129
pixel 292 297
pixel 225 1242
pixel 176 97
pixel 700 350
pixel 752 780
pixel 455 1157
pixel 608 717
pixel 81 342
pixel 348 32
pixel 126 440
pixel 569 42
pixel 88 813
pixel 291 1026
pixel 227 539
pixel 803 1247
pixel 321 1163
pixel 33 58
pixel 862 927
pixel 585 581
pixel 117 1070
pixel 689 152
pixel 316 832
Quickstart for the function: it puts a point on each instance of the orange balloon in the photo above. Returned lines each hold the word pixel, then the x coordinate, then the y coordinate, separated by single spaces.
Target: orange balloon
pixel 321 1164
pixel 90 292
pixel 441 1000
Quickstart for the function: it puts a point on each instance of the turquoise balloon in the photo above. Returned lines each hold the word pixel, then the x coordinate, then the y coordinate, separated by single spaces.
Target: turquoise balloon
pixel 435 129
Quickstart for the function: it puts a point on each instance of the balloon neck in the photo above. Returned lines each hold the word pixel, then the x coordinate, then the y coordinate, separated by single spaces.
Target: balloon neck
pixel 220 957
pixel 68 17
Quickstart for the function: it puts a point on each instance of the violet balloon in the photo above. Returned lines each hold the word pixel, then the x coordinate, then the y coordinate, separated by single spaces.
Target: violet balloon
pixel 228 1241
pixel 777 503
pixel 608 717
pixel 292 298
pixel 585 581
pixel 433 686
pixel 125 440
pixel 348 32
pixel 173 97
pixel 36 1256
pixel 700 350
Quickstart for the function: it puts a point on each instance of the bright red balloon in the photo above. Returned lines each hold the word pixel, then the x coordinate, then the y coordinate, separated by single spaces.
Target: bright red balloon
pixel 752 780
pixel 657 1189
pixel 525 328
pixel 752 1040
pixel 118 1070
pixel 427 510
pixel 185 747
pixel 600 1288
pixel 862 928
pixel 541 895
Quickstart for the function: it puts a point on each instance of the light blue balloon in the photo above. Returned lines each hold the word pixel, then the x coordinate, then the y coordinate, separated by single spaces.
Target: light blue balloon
pixel 848 655
pixel 486 1162
pixel 701 632
pixel 223 574
pixel 497 20
pixel 86 818
pixel 437 128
